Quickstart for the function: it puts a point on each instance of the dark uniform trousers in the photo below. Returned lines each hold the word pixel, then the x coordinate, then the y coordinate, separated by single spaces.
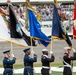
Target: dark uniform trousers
pixel 8 71
pixel 67 74
pixel 67 69
pixel 28 70
pixel 45 71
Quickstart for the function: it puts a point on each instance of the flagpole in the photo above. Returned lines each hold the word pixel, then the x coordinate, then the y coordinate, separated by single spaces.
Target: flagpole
pixel 32 47
pixel 51 44
pixel 11 47
pixel 28 4
pixel 74 22
pixel 9 2
pixel 26 15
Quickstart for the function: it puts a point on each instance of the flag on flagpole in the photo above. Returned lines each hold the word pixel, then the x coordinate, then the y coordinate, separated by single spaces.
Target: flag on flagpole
pixel 5 34
pixel 3 12
pixel 74 26
pixel 57 28
pixel 45 43
pixel 13 22
pixel 22 31
pixel 16 31
pixel 35 29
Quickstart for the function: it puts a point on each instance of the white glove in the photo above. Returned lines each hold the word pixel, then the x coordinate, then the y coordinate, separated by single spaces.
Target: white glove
pixel 12 55
pixel 51 52
pixel 73 49
pixel 32 52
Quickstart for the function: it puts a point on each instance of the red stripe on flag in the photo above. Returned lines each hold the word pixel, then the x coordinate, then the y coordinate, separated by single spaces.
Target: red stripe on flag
pixel 74 27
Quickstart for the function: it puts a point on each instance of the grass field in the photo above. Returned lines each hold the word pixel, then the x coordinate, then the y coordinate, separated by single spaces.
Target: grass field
pixel 53 73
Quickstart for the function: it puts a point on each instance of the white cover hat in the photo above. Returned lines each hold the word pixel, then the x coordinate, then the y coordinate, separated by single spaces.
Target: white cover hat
pixel 44 49
pixel 66 48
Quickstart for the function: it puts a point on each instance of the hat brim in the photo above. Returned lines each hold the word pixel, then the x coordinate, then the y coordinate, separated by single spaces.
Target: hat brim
pixel 6 51
pixel 27 49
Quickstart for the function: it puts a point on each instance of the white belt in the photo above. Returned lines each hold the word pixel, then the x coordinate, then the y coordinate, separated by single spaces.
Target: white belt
pixel 46 67
pixel 67 66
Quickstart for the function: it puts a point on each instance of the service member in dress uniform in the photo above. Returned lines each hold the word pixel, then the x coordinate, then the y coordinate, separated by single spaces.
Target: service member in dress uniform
pixel 7 63
pixel 46 62
pixel 67 61
pixel 28 62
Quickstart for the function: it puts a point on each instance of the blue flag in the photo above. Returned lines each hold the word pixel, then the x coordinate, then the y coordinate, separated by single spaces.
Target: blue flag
pixel 35 28
pixel 57 28
pixel 44 43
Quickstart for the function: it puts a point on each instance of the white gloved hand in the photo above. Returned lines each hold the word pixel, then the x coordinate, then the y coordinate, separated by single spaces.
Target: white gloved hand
pixel 32 52
pixel 73 49
pixel 51 52
pixel 12 55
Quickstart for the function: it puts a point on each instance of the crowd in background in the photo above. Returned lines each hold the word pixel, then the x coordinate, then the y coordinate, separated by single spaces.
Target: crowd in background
pixel 45 11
